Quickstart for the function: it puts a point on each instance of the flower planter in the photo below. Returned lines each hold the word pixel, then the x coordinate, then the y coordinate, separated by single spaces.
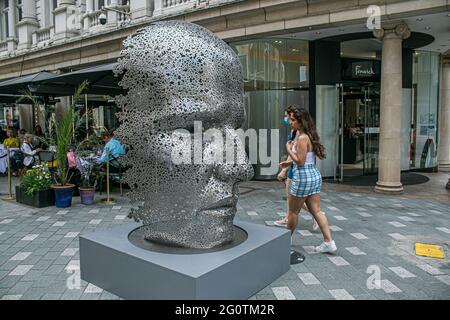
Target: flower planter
pixel 40 199
pixel 87 195
pixel 63 195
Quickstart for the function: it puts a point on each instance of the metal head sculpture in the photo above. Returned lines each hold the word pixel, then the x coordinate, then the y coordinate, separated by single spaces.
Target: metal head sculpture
pixel 178 73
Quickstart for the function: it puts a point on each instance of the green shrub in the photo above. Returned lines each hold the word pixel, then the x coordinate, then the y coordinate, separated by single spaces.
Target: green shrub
pixel 36 179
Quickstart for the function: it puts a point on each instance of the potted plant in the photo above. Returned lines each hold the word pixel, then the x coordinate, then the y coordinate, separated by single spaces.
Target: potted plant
pixel 34 188
pixel 86 167
pixel 64 137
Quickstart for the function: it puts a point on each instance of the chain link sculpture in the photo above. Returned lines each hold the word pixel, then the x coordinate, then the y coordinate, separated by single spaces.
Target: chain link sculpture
pixel 178 73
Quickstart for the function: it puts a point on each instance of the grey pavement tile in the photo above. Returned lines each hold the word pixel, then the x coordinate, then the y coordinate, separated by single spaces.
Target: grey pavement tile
pixel 54 269
pixel 51 296
pixel 108 296
pixel 71 295
pixel 43 281
pixel 20 287
pixel 34 294
pixel 9 281
pixel 90 296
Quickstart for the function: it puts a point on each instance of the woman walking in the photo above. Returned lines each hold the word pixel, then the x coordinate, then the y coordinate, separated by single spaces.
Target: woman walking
pixel 286 176
pixel 306 179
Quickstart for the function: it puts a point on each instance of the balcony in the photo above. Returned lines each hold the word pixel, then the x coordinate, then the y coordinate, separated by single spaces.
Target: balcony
pixel 42 37
pixel 172 7
pixel 91 20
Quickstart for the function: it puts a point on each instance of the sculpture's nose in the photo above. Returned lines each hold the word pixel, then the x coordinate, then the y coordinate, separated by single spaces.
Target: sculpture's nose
pixel 236 166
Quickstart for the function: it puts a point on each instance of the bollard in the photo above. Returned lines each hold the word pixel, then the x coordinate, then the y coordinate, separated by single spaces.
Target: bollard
pixel 107 200
pixel 8 161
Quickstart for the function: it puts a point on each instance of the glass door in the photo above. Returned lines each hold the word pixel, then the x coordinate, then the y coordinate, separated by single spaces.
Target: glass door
pixel 371 128
pixel 339 142
pixel 357 137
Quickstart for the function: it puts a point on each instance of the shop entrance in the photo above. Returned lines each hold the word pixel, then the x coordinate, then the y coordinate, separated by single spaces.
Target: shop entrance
pixel 359 129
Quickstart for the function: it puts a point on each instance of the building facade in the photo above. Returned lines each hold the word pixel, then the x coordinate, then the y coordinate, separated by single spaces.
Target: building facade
pixel 374 74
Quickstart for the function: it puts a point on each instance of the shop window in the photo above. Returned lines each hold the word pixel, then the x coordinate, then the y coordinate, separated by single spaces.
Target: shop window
pixel 423 151
pixel 275 75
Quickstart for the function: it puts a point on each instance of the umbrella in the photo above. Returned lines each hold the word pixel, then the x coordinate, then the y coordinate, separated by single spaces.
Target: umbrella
pixel 14 86
pixel 101 80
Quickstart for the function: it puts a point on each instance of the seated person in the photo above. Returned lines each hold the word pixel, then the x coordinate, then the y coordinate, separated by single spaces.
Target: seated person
pixel 11 140
pixel 21 135
pixel 116 149
pixel 28 151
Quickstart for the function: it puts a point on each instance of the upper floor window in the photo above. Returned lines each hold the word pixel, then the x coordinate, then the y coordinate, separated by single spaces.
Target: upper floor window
pixel 20 9
pixel 49 6
pixel 99 4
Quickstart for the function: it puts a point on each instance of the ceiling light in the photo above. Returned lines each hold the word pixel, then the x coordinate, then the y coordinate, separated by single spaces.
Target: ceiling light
pixel 427 28
pixel 318 32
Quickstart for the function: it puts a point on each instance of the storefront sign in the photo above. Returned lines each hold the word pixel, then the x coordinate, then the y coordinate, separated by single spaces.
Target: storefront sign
pixel 363 69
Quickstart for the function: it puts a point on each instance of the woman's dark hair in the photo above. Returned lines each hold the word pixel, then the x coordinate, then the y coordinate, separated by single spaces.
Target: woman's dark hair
pixel 304 118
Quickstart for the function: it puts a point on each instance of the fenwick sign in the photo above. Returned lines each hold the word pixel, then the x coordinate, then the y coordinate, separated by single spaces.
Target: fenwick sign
pixel 363 69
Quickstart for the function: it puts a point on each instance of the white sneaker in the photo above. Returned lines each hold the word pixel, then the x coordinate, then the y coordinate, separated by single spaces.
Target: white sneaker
pixel 281 223
pixel 326 247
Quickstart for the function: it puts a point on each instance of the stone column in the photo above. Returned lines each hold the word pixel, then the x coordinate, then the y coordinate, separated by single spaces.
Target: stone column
pixel 28 25
pixel 89 10
pixel 444 118
pixel 142 8
pixel 391 108
pixel 65 20
pixel 11 40
pixel 113 17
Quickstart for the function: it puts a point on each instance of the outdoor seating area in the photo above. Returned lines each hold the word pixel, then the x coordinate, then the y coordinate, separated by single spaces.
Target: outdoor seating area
pixel 72 155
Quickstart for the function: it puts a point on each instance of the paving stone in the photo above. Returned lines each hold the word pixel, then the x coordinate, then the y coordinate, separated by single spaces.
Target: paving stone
pixel 341 294
pixel 12 297
pixel 21 270
pixel 283 293
pixel 445 279
pixel 339 261
pixel 21 256
pixel 359 236
pixel 402 272
pixel 51 296
pixel 308 279
pixel 430 269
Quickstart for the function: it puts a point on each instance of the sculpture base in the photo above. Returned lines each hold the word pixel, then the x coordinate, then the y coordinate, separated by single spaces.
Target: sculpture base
pixel 110 261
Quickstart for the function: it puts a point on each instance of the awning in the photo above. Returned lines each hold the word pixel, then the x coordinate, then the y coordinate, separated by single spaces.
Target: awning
pixel 14 86
pixel 101 80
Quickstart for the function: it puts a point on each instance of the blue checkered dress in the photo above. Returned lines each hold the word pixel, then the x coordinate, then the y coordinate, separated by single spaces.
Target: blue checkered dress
pixel 306 180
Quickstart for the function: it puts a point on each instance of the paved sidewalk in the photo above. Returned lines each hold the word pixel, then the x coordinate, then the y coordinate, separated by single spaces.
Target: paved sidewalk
pixel 375 235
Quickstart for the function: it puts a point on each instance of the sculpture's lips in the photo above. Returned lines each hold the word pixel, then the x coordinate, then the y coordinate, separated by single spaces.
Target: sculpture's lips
pixel 229 202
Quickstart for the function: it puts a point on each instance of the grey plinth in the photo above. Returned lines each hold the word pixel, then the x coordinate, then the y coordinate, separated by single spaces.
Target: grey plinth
pixel 110 261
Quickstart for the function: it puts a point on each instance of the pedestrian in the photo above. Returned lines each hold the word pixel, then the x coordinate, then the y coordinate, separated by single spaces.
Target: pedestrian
pixel 286 176
pixel 306 179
